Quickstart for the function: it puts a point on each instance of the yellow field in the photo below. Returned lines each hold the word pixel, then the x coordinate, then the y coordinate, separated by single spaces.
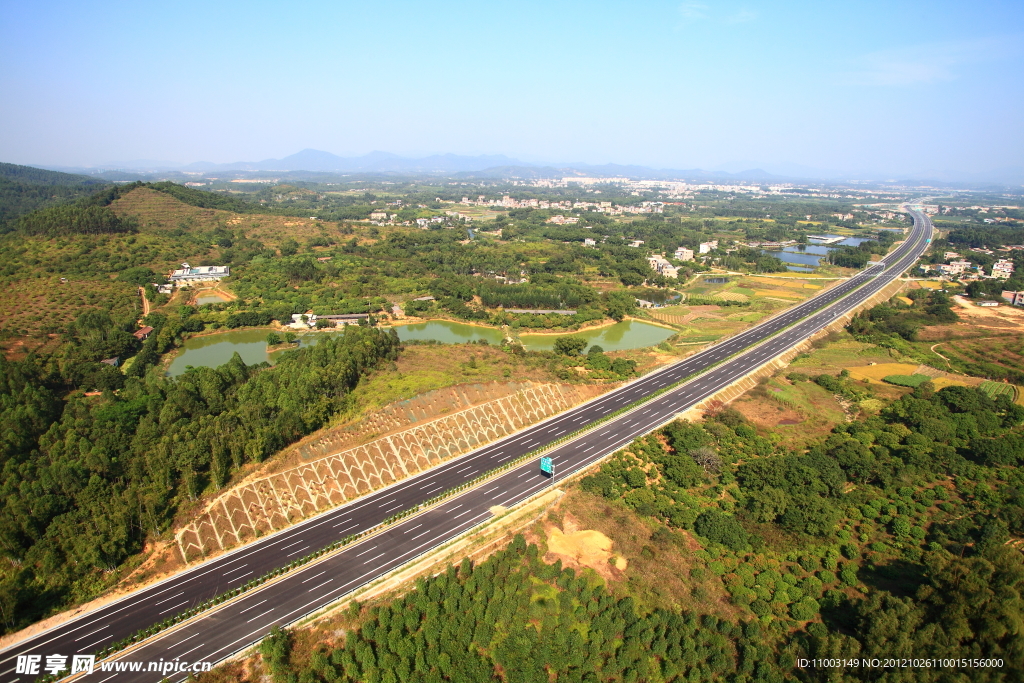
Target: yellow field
pixel 877 372
pixel 778 282
pixel 943 382
pixel 931 284
pixel 906 300
pixel 780 295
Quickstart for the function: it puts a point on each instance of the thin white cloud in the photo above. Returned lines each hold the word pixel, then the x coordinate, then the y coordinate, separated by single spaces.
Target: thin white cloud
pixel 929 62
pixel 741 16
pixel 693 11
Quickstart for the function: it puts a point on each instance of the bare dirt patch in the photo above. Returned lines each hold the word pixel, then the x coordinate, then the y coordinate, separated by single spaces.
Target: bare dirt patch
pixel 586 548
pixel 767 414
pixel 659 569
pixel 996 317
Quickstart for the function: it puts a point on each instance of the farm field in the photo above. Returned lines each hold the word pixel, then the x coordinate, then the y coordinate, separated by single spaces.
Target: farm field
pixel 995 358
pixel 878 372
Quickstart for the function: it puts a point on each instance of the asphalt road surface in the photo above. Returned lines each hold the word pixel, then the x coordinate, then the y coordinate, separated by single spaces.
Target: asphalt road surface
pixel 233 627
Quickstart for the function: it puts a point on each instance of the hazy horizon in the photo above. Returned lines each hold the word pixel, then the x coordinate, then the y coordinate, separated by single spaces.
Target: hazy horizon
pixel 879 88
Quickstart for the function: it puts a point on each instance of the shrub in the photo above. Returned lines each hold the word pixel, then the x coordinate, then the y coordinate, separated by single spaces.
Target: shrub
pixel 804 610
pixel 718 527
pixel 912 381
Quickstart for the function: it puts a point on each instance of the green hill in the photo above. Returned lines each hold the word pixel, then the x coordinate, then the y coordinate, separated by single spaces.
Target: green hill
pixel 40 176
pixel 24 189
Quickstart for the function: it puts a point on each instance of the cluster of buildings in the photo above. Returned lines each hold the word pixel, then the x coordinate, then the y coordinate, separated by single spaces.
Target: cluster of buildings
pixel 508 202
pixel 384 218
pixel 304 321
pixel 1002 269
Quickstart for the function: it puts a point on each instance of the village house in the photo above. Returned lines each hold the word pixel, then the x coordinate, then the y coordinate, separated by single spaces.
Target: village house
pixel 1014 298
pixel 661 265
pixel 1002 268
pixel 708 247
pixel 684 254
pixel 955 267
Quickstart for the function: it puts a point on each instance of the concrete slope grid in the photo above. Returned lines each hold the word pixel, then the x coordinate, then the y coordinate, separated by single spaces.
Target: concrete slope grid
pixel 274 502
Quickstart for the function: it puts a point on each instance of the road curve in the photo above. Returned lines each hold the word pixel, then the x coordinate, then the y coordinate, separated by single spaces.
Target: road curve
pixel 233 627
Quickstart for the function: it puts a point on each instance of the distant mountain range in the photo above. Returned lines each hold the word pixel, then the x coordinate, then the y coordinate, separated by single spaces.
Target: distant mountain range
pixel 499 166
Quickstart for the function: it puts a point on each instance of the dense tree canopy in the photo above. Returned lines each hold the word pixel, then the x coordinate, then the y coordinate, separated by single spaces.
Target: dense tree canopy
pixel 86 479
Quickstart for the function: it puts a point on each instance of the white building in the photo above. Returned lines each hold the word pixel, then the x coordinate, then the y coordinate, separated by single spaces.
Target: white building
pixel 661 265
pixel 187 274
pixel 684 254
pixel 708 247
pixel 589 242
pixel 1002 268
pixel 955 267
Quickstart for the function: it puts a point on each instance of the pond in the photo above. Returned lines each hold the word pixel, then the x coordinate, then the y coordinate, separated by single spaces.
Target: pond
pixel 807 257
pixel 629 334
pixel 208 299
pixel 216 349
pixel 448 332
pixel 798 258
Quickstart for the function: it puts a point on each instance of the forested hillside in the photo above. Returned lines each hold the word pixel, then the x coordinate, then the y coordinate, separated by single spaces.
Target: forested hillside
pixel 24 189
pixel 887 539
pixel 87 478
pixel 515 618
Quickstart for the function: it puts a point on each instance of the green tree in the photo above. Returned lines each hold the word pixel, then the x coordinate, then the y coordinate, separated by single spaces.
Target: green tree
pixel 569 345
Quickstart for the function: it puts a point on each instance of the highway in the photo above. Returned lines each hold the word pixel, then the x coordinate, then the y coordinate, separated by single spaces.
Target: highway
pixel 232 627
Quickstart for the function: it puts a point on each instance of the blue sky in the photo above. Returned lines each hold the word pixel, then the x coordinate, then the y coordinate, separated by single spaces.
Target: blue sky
pixel 882 86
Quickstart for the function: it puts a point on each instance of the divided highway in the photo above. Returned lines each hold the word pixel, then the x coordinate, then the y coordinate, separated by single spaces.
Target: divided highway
pixel 225 631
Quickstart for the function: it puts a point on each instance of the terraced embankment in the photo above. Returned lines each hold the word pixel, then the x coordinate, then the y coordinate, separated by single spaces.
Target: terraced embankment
pixel 335 474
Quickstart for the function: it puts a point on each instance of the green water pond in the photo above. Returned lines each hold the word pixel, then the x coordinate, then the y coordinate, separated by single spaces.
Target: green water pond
pixel 216 349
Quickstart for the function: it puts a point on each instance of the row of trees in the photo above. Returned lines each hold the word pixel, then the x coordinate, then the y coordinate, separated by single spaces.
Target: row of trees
pixel 74 220
pixel 516 618
pixel 562 295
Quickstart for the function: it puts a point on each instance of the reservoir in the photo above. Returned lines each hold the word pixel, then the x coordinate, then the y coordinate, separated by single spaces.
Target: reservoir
pixel 629 334
pixel 807 257
pixel 216 349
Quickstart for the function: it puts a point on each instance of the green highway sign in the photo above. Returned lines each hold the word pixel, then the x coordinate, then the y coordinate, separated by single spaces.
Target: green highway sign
pixel 546 466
